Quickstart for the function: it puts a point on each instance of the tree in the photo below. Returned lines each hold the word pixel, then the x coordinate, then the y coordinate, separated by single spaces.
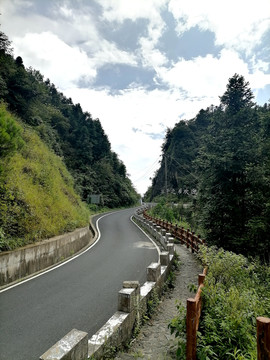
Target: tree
pixel 238 95
pixel 5 44
pixel 227 163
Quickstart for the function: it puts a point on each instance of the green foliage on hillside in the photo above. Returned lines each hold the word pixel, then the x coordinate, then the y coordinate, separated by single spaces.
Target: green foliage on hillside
pixel 37 197
pixel 219 162
pixel 68 131
pixel 236 291
pixel 53 156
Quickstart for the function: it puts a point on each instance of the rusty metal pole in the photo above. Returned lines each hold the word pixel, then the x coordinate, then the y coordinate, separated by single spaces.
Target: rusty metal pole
pixel 263 338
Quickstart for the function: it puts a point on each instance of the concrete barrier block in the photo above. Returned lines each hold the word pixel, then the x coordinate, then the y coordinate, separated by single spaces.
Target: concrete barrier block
pixel 164 258
pixel 168 235
pixel 170 248
pixel 132 284
pixel 126 300
pixel 163 232
pixel 153 272
pixel 73 346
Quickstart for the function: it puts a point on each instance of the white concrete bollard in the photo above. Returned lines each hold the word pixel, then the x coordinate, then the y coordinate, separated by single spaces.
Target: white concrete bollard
pixel 164 258
pixel 153 272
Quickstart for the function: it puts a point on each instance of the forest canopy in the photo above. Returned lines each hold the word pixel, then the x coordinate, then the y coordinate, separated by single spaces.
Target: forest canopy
pixel 218 163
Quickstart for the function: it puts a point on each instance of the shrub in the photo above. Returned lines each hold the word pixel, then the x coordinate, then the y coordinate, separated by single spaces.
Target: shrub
pixel 233 296
pixel 236 291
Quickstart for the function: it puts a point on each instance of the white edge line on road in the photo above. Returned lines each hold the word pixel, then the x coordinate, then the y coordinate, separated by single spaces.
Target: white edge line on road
pixel 158 249
pixel 59 265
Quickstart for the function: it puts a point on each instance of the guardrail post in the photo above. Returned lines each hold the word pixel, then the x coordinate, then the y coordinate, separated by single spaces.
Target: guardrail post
pixel 201 278
pixel 164 258
pixel 126 299
pixel 187 238
pixel 170 248
pixel 263 338
pixel 191 330
pixel 153 272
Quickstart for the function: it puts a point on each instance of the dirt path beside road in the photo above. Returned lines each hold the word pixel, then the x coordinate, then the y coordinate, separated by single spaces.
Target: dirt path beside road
pixel 155 341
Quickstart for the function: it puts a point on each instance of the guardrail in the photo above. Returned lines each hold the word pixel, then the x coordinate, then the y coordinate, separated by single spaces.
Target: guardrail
pixel 194 309
pixel 194 305
pixel 132 305
pixel 186 237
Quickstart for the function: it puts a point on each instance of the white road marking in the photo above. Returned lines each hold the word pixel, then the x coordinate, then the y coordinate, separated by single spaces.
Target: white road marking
pixel 59 265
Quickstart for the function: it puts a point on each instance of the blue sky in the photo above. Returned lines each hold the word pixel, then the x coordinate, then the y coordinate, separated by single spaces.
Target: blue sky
pixel 140 66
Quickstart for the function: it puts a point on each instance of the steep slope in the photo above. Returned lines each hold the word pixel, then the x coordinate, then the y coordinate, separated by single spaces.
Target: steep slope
pixel 37 196
pixel 67 130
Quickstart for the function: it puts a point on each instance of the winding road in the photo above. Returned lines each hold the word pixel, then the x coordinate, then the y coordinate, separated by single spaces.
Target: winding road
pixel 80 294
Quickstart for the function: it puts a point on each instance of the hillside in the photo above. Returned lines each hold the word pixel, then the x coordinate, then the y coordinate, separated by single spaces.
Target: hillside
pixel 53 157
pixel 37 192
pixel 218 164
pixel 69 132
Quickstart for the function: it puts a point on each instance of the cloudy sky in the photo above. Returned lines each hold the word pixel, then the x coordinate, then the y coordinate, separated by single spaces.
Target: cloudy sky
pixel 140 66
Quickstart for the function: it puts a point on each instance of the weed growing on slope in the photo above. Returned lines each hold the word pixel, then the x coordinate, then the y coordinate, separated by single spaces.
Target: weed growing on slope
pixel 236 291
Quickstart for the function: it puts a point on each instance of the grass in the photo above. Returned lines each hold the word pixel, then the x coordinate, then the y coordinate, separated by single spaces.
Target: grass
pixel 37 196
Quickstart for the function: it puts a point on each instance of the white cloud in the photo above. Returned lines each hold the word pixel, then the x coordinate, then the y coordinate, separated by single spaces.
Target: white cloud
pixel 119 10
pixel 66 45
pixel 204 76
pixel 63 64
pixel 237 24
pixel 149 112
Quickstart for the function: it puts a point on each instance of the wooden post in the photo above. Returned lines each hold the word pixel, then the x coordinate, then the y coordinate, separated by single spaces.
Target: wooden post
pixel 263 338
pixel 192 242
pixel 191 330
pixel 187 237
pixel 201 278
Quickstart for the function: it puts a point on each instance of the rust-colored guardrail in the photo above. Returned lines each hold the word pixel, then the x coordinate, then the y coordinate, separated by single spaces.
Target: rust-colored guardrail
pixel 194 305
pixel 184 236
pixel 194 309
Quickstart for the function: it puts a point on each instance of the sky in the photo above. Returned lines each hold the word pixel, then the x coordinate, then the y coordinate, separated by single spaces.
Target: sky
pixel 141 66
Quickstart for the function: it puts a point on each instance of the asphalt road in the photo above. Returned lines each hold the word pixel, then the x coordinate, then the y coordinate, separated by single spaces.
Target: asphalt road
pixel 81 294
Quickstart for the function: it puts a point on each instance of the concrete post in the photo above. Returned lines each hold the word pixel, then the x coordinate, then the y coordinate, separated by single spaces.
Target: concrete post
pixel 132 284
pixel 170 248
pixel 164 258
pixel 168 235
pixel 126 299
pixel 153 272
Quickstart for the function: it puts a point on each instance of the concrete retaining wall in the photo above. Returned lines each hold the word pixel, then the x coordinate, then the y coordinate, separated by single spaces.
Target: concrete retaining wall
pixel 30 259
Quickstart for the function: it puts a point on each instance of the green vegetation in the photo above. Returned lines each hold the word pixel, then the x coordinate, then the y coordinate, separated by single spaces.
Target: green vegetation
pixel 236 291
pixel 53 157
pixel 69 132
pixel 219 163
pixel 176 213
pixel 37 197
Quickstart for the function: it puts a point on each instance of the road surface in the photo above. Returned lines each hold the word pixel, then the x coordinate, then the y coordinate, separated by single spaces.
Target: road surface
pixel 81 294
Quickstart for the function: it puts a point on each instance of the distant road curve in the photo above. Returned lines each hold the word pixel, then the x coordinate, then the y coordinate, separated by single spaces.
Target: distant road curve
pixel 80 294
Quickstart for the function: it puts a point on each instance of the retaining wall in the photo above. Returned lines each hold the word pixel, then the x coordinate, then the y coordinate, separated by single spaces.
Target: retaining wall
pixel 33 258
